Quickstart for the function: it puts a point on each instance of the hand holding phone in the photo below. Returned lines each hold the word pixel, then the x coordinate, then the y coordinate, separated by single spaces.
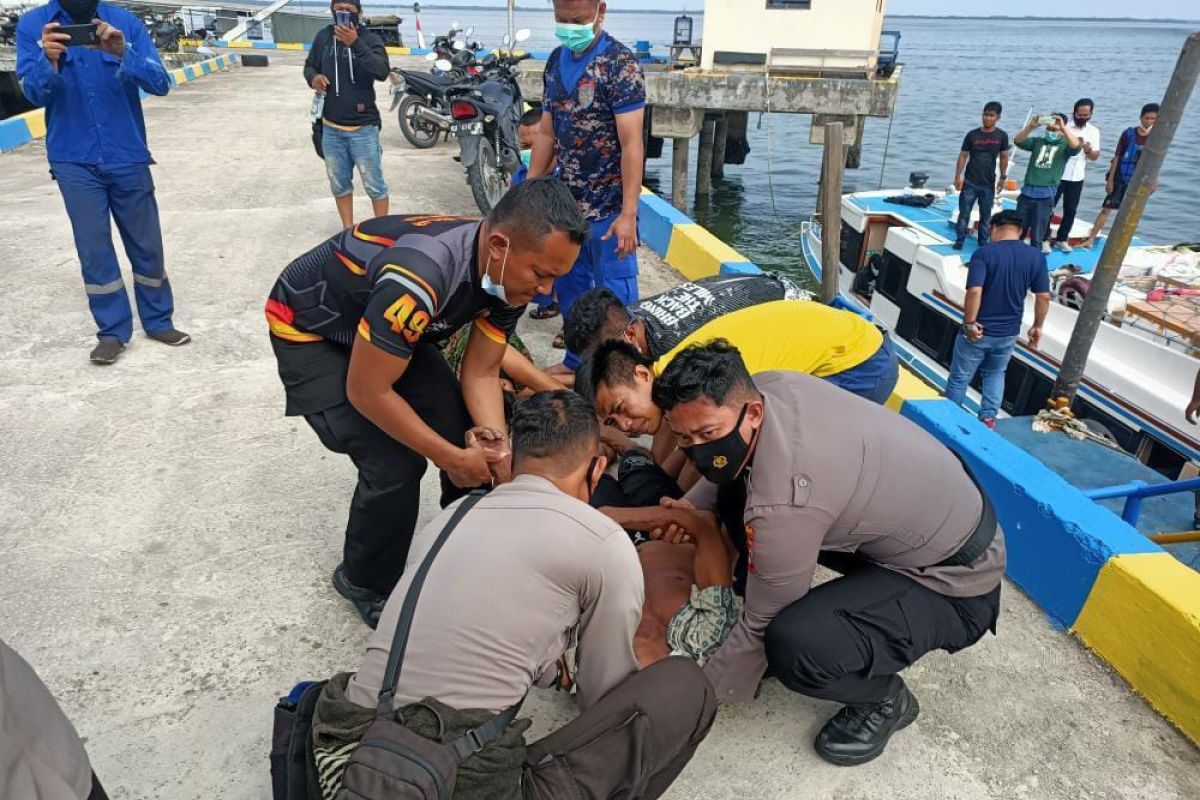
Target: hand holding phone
pixel 81 35
pixel 342 18
pixel 54 42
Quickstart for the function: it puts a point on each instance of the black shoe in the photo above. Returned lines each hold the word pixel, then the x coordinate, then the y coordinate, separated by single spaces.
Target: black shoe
pixel 170 337
pixel 107 351
pixel 958 244
pixel 369 604
pixel 858 734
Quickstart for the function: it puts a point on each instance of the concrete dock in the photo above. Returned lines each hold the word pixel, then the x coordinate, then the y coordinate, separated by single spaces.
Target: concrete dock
pixel 168 534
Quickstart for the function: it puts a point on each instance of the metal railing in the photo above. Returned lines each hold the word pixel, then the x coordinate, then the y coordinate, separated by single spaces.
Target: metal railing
pixel 1136 491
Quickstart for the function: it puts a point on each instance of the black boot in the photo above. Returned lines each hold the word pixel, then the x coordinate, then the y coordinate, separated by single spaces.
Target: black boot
pixel 367 603
pixel 858 734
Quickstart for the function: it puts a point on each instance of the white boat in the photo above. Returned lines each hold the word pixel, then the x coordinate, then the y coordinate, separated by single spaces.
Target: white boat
pixel 1143 364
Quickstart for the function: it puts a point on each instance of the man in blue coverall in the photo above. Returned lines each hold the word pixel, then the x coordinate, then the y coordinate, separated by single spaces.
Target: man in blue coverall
pixel 96 144
pixel 594 106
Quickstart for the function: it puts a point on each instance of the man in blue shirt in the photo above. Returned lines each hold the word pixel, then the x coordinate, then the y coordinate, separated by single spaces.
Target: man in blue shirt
pixel 594 102
pixel 998 278
pixel 96 144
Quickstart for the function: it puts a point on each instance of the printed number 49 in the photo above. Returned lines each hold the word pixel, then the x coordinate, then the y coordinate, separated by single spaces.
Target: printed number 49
pixel 404 321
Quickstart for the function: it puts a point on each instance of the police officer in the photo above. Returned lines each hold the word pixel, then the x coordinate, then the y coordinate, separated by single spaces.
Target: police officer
pixel 356 323
pixel 801 472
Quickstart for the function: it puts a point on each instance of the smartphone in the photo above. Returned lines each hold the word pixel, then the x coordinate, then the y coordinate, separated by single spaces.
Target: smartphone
pixel 1047 120
pixel 342 18
pixel 81 35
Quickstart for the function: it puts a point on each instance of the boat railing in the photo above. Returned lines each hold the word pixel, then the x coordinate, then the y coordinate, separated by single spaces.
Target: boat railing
pixel 1136 491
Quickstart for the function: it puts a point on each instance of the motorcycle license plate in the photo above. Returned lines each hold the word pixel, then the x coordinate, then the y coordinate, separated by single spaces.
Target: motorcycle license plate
pixel 470 128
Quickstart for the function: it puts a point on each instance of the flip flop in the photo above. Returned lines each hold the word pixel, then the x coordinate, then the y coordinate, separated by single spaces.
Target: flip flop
pixel 560 343
pixel 545 312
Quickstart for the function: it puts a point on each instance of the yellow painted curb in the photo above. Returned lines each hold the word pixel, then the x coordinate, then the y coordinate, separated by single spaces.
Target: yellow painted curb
pixel 1143 618
pixel 241 43
pixel 696 253
pixel 910 387
pixel 399 51
pixel 290 46
pixel 36 122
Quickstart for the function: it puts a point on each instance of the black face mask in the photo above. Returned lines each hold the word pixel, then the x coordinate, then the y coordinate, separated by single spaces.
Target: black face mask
pixel 353 18
pixel 82 11
pixel 721 460
pixel 1079 123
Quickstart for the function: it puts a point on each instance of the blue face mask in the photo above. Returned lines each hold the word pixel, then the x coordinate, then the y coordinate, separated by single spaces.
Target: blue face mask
pixel 1053 137
pixel 576 38
pixel 496 290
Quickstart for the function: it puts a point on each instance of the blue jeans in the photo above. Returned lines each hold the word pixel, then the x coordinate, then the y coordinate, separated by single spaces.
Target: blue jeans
pixel 1035 212
pixel 875 379
pixel 92 193
pixel 992 354
pixel 970 195
pixel 345 150
pixel 599 265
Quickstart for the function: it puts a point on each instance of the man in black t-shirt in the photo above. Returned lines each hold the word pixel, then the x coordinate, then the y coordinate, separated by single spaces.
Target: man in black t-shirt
pixel 978 184
pixel 356 325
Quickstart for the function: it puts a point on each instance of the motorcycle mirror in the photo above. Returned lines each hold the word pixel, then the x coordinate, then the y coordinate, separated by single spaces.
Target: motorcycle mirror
pixel 469 32
pixel 459 44
pixel 505 41
pixel 443 65
pixel 524 34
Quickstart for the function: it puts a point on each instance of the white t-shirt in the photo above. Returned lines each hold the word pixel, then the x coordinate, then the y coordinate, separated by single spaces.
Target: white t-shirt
pixel 1077 166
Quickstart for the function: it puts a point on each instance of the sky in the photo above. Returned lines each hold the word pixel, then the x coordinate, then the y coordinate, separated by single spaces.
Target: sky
pixel 1173 9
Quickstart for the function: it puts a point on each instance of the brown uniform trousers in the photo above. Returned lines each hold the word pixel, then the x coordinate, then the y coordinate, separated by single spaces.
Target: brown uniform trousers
pixel 632 743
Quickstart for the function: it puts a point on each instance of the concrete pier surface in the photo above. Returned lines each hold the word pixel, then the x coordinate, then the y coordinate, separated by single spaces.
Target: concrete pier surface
pixel 168 535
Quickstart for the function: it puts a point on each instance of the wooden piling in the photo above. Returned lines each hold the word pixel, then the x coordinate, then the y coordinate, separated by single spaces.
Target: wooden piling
pixel 679 172
pixel 720 140
pixel 833 167
pixel 704 159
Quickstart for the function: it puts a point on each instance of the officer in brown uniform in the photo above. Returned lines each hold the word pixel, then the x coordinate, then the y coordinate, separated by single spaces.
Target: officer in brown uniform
pixel 801 472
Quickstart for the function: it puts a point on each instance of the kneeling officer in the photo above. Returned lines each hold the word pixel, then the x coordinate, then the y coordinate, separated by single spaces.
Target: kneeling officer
pixel 356 323
pixel 802 472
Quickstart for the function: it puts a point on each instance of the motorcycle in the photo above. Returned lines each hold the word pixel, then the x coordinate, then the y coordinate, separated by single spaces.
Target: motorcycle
pixel 486 116
pixel 419 98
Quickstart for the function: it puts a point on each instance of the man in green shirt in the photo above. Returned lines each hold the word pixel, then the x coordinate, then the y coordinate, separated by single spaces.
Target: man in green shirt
pixel 1048 157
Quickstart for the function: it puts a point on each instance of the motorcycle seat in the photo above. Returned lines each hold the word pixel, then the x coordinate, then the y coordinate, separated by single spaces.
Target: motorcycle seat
pixel 428 80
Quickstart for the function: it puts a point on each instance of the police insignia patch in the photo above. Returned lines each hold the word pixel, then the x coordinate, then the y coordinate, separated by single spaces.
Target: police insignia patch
pixel 587 92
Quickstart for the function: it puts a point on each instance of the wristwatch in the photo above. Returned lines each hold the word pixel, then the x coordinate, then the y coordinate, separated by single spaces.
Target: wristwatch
pixel 970 327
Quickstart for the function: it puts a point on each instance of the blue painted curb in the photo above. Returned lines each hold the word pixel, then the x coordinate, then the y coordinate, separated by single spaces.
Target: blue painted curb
pixel 1058 540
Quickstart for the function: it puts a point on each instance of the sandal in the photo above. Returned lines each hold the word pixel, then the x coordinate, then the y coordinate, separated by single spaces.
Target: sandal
pixel 560 342
pixel 545 312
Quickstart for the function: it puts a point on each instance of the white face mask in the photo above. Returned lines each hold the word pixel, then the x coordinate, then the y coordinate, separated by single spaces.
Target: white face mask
pixel 493 288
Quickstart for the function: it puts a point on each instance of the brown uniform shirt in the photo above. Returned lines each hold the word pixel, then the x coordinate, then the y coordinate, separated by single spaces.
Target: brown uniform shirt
pixel 527 574
pixel 41 755
pixel 832 471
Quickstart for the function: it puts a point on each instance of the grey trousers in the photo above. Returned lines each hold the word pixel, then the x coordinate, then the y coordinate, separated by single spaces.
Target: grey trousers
pixel 632 744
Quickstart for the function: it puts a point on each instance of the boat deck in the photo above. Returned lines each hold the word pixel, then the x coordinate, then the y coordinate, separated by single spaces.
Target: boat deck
pixel 1089 465
pixel 936 221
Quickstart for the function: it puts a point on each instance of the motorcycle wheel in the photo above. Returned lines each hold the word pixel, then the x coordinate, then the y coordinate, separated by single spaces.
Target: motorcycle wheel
pixel 419 133
pixel 488 179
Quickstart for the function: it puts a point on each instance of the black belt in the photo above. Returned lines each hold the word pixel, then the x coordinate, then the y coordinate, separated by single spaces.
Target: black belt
pixel 981 538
